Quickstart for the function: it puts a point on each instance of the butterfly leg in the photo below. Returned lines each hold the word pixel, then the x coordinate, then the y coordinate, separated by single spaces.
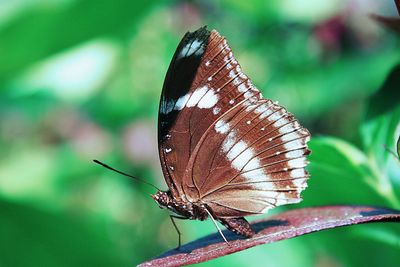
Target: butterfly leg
pixel 216 225
pixel 172 217
pixel 238 225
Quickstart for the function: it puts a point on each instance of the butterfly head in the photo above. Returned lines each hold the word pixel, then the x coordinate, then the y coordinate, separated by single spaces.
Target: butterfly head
pixel 163 199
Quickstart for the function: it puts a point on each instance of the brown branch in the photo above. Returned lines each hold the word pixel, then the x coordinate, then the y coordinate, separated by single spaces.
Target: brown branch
pixel 278 227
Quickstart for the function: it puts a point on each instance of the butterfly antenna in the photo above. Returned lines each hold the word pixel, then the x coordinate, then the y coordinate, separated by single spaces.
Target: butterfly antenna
pixel 125 174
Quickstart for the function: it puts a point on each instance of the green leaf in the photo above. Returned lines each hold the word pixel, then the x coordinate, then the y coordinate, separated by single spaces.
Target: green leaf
pixel 340 174
pixel 380 133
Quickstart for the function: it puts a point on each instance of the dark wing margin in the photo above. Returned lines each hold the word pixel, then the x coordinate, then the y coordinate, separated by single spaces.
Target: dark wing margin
pixel 179 78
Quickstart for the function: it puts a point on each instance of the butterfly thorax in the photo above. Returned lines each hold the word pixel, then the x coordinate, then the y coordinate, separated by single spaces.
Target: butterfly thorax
pixel 189 210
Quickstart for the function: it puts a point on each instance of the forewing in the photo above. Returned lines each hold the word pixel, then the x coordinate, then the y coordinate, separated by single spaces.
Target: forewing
pixel 171 130
pixel 203 82
pixel 252 159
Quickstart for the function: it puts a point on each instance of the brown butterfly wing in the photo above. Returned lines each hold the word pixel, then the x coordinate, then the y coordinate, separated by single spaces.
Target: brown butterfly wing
pixel 252 157
pixel 203 82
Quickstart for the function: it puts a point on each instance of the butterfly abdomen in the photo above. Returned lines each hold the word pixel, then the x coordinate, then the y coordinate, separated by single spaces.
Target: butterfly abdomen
pixel 238 225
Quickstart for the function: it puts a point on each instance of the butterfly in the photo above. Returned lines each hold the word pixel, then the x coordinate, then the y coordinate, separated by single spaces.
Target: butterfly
pixel 226 152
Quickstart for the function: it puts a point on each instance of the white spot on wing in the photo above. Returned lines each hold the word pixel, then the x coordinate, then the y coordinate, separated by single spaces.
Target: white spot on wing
pixel 250 108
pixel 297 173
pixel 236 81
pixel 270 194
pixel 275 116
pixel 242 88
pixel 289 127
pixel 243 159
pixel 295 144
pixel 290 136
pixel 196 96
pixel 216 110
pixel 203 97
pixel 235 151
pixel 262 108
pixel 294 154
pixel 266 113
pixel 209 100
pixel 221 127
pixel 196 47
pixel 297 163
pixel 280 122
pixel 181 103
pixel 244 155
pixel 229 141
pixel 299 182
pixel 248 94
pixel 166 107
pixel 253 164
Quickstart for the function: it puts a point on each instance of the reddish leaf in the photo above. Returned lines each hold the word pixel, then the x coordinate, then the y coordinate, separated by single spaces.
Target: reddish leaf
pixel 278 227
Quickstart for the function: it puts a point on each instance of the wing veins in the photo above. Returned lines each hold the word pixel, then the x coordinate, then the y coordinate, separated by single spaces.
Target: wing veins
pixel 244 133
pixel 261 167
pixel 230 110
pixel 230 130
pixel 206 117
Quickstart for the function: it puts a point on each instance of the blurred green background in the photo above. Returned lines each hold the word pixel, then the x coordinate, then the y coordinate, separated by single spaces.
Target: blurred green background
pixel 81 80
